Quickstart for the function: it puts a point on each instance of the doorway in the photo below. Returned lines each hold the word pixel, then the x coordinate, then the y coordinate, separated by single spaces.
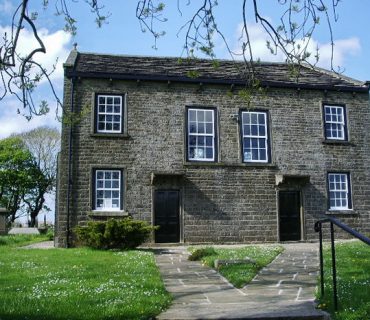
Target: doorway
pixel 167 216
pixel 290 216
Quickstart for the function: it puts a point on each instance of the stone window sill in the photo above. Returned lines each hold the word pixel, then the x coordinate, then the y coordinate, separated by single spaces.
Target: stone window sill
pixel 341 212
pixel 110 135
pixel 230 165
pixel 97 213
pixel 337 142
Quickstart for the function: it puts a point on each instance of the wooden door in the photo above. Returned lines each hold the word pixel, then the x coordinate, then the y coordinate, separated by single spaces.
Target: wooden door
pixel 290 215
pixel 167 215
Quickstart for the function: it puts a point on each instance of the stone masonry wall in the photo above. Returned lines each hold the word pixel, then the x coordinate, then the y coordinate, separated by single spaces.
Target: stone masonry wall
pixel 227 201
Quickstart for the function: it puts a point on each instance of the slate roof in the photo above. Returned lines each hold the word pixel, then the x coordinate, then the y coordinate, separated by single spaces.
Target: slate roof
pixel 226 72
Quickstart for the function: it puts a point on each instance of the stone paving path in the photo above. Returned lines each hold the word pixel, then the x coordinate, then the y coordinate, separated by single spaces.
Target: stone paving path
pixel 40 245
pixel 282 290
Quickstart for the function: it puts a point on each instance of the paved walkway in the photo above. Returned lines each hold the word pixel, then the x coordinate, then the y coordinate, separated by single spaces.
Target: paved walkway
pixel 282 290
pixel 40 245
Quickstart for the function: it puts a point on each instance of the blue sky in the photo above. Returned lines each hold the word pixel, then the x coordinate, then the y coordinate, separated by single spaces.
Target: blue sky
pixel 122 35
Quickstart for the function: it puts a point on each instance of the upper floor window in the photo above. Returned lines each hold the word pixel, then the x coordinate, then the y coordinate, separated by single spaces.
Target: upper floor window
pixel 255 141
pixel 109 113
pixel 108 190
pixel 201 134
pixel 335 122
pixel 339 188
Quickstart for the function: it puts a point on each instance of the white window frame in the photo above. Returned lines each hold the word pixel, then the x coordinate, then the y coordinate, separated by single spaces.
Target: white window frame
pixel 106 113
pixel 201 149
pixel 257 136
pixel 108 201
pixel 339 189
pixel 328 121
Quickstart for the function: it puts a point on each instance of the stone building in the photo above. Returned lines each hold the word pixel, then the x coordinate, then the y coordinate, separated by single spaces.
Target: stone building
pixel 186 146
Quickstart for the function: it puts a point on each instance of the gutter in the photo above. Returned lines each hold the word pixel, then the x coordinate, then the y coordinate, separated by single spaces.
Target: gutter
pixel 70 182
pixel 185 79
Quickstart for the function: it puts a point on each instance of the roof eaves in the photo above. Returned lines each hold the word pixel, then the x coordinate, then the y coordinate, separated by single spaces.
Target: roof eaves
pixel 229 81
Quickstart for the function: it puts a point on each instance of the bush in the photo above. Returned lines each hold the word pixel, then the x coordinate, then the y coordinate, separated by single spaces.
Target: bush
pixel 114 234
pixel 198 254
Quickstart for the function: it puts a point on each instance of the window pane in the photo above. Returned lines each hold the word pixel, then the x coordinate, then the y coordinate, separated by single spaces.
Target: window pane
pixel 209 128
pixel 116 126
pixel 201 128
pixel 254 154
pixel 262 155
pixel 209 116
pixel 254 118
pixel 209 153
pixel 109 100
pixel 100 174
pixel 192 115
pixel 101 100
pixel 254 130
pixel 191 153
pixel 108 184
pixel 254 143
pixel 117 100
pixel 193 141
pixel 261 130
pixel 99 203
pixel 193 127
pixel 200 115
pixel 107 194
pixel 201 141
pixel 261 118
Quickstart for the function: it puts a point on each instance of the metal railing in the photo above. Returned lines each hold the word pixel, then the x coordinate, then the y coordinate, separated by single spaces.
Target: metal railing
pixel 318 228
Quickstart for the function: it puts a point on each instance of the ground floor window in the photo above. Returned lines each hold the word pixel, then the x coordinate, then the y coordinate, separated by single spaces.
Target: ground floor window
pixel 339 189
pixel 108 190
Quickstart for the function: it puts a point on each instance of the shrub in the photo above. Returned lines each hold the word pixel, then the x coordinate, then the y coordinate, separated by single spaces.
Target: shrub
pixel 114 233
pixel 198 254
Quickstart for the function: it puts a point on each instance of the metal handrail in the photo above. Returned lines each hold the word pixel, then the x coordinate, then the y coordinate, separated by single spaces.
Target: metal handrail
pixel 318 228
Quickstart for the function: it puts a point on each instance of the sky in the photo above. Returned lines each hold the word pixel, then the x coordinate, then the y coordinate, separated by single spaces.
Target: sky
pixel 123 35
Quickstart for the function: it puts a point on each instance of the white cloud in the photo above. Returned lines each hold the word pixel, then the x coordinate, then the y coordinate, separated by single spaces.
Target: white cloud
pixel 6 7
pixel 56 45
pixel 12 122
pixel 343 48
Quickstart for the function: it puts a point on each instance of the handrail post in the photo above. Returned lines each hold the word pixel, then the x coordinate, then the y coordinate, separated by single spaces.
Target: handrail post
pixel 321 260
pixel 335 294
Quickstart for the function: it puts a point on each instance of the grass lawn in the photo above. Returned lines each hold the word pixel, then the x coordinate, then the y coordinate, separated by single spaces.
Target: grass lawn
pixel 78 284
pixel 353 281
pixel 240 274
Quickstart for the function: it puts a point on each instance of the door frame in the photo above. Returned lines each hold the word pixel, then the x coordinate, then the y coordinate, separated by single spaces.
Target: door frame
pixel 181 219
pixel 301 211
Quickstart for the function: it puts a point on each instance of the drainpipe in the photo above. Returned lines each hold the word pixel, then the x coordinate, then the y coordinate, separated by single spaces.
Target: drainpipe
pixel 70 182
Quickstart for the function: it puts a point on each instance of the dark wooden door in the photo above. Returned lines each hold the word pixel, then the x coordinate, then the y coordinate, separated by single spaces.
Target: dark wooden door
pixel 290 215
pixel 167 215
